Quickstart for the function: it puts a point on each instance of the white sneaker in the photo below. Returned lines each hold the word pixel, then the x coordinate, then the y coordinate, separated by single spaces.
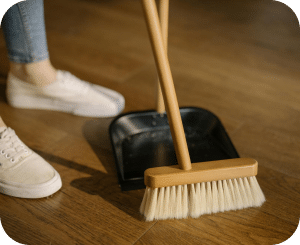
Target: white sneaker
pixel 67 94
pixel 23 173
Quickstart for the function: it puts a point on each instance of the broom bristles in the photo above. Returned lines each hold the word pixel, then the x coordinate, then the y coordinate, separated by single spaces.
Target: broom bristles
pixel 197 199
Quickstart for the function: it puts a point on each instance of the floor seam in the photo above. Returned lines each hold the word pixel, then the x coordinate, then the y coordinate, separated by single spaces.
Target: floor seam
pixel 144 233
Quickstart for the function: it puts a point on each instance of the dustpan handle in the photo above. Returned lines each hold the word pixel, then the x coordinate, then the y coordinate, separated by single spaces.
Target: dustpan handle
pixel 167 85
pixel 163 10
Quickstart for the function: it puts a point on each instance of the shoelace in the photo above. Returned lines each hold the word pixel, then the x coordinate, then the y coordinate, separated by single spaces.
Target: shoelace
pixel 75 83
pixel 11 146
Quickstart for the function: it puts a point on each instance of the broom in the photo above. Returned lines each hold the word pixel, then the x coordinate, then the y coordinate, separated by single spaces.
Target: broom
pixel 189 189
pixel 163 8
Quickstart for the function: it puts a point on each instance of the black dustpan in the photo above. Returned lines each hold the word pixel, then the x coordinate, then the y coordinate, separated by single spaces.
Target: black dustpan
pixel 143 140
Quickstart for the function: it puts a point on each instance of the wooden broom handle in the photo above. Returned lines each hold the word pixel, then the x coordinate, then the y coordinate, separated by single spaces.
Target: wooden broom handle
pixel 167 85
pixel 163 10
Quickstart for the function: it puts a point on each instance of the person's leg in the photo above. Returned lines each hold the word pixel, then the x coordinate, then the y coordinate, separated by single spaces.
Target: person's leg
pixel 23 173
pixel 47 88
pixel 40 73
pixel 25 36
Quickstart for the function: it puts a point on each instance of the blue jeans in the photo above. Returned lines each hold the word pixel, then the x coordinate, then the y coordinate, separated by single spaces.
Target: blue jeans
pixel 24 32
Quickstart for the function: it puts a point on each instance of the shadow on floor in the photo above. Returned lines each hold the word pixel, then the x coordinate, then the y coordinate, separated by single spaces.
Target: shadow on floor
pixel 105 185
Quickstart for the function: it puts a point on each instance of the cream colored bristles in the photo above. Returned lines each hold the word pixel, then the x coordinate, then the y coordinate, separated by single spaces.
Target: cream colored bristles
pixel 197 199
pixel 208 198
pixel 232 195
pixel 243 193
pixel 143 205
pixel 185 202
pixel 228 198
pixel 151 208
pixel 239 201
pixel 202 198
pixel 193 200
pixel 215 198
pixel 178 207
pixel 172 203
pixel 248 192
pixel 160 203
pixel 166 209
pixel 197 208
pixel 257 193
pixel 221 197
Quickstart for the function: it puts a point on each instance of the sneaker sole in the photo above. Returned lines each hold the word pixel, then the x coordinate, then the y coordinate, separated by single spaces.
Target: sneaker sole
pixel 32 191
pixel 39 103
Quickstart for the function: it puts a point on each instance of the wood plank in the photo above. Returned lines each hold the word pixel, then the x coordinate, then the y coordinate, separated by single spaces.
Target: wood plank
pixel 283 148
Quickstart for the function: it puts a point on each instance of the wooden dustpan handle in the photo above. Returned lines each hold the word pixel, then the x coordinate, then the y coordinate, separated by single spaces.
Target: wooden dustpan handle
pixel 167 85
pixel 163 10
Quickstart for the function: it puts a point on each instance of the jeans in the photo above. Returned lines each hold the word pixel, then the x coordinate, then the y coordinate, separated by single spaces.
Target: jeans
pixel 24 32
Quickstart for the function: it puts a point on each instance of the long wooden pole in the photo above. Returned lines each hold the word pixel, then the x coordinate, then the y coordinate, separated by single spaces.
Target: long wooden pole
pixel 167 85
pixel 163 10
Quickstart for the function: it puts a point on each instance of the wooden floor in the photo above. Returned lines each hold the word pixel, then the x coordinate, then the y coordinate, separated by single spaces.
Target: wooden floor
pixel 238 59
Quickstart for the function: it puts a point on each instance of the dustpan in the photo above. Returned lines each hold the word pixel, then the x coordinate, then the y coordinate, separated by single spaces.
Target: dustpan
pixel 142 140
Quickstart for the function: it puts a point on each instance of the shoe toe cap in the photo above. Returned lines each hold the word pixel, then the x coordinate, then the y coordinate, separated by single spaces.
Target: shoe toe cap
pixel 114 97
pixel 33 170
pixel 100 104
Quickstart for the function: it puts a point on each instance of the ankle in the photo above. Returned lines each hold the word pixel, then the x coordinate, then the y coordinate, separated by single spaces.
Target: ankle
pixel 39 73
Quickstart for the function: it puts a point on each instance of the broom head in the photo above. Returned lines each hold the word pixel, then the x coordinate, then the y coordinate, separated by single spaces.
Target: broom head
pixel 209 187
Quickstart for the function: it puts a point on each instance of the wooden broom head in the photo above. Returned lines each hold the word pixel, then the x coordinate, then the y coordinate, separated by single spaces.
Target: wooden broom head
pixel 201 172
